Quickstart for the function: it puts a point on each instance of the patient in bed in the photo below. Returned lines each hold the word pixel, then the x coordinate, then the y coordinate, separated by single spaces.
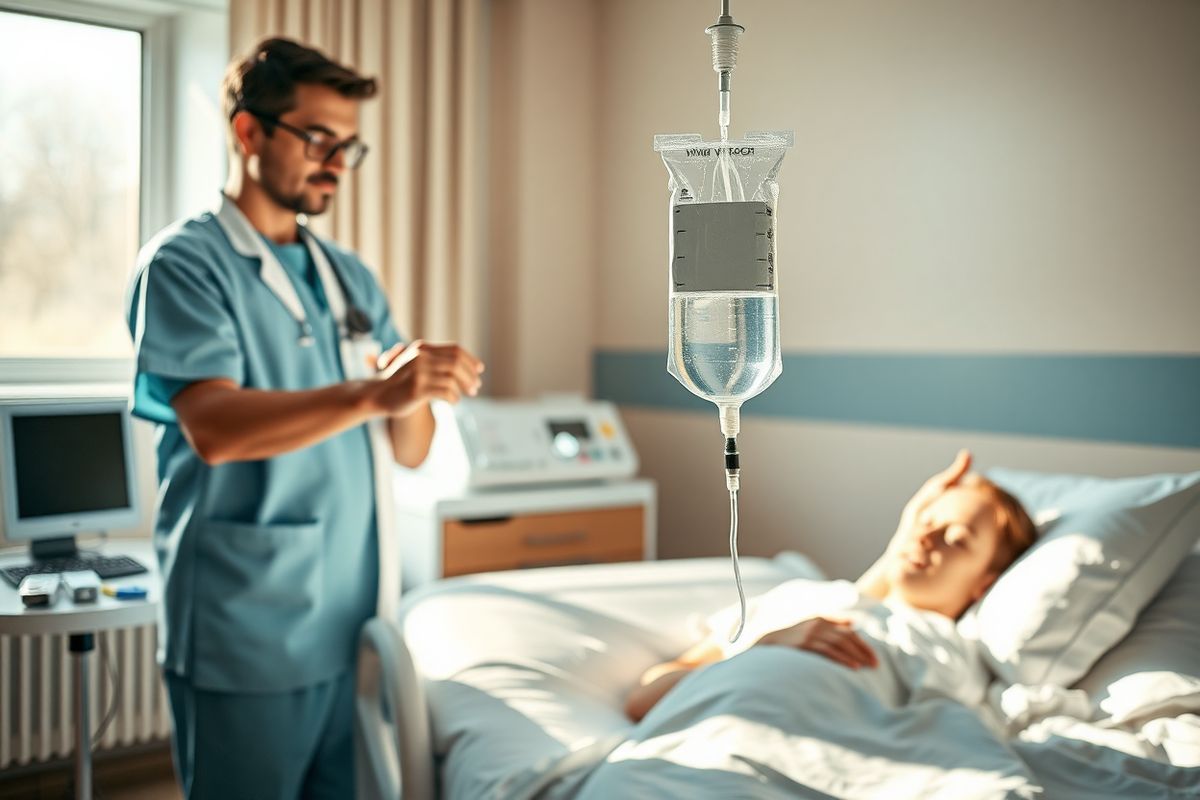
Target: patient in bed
pixel 894 628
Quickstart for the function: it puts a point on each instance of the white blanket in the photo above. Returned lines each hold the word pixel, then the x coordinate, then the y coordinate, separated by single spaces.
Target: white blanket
pixel 525 700
pixel 780 722
pixel 1142 741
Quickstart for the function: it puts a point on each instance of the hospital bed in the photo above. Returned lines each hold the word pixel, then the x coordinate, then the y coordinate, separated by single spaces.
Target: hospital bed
pixel 511 685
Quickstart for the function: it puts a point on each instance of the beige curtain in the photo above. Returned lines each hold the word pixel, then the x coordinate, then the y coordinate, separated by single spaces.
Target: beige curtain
pixel 414 210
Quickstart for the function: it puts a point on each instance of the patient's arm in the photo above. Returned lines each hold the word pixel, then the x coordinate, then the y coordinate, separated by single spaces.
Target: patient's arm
pixel 834 639
pixel 661 678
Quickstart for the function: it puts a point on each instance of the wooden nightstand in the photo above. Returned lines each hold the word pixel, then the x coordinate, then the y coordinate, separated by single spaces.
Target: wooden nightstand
pixel 523 528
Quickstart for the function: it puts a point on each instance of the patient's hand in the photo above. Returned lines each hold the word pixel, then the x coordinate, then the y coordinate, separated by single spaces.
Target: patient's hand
pixel 832 638
pixel 931 490
pixel 874 582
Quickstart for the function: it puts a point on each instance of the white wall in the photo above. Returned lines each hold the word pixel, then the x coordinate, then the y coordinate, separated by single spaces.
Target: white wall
pixel 543 197
pixel 968 177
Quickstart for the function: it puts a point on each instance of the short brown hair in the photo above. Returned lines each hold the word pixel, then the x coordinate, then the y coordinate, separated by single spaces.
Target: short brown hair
pixel 264 82
pixel 1018 530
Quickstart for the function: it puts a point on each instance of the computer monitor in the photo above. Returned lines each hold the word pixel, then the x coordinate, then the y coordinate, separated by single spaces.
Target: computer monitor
pixel 66 468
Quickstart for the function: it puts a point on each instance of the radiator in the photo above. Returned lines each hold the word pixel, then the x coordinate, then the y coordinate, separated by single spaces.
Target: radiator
pixel 36 684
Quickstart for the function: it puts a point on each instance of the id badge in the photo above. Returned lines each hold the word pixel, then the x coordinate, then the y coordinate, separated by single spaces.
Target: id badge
pixel 360 357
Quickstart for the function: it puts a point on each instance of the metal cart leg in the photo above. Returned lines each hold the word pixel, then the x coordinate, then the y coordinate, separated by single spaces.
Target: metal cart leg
pixel 80 645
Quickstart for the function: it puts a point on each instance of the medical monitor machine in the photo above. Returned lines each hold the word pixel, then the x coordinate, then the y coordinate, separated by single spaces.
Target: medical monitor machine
pixel 484 444
pixel 512 483
pixel 66 469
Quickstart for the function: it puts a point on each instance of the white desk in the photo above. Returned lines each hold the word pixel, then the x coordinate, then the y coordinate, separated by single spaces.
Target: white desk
pixel 81 622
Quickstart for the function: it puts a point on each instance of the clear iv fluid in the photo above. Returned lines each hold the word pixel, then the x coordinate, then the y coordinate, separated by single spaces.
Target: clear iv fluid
pixel 725 345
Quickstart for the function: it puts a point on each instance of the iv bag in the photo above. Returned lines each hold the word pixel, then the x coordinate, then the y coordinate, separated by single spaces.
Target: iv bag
pixel 723 270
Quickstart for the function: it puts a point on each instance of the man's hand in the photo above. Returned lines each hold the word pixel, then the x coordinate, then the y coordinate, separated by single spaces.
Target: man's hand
pixel 411 375
pixel 832 638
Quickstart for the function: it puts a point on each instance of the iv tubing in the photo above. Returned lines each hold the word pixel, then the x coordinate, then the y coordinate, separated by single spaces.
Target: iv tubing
pixel 725 173
pixel 726 167
pixel 724 33
pixel 737 572
pixel 730 423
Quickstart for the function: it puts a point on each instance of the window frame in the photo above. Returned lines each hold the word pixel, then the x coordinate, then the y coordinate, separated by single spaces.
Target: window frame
pixel 153 22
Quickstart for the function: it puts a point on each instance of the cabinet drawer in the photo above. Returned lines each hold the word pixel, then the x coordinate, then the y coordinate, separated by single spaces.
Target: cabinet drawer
pixel 540 540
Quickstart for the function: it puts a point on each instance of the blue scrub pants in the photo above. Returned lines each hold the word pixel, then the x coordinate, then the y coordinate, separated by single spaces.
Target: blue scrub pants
pixel 286 745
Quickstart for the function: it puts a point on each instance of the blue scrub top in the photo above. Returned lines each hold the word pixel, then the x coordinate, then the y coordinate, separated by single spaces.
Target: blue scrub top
pixel 296 258
pixel 270 566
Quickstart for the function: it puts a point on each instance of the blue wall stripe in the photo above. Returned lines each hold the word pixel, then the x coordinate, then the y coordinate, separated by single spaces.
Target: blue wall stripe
pixel 1143 399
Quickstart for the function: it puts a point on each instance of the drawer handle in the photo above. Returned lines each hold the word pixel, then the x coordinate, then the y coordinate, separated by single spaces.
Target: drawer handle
pixel 556 562
pixel 548 539
pixel 486 520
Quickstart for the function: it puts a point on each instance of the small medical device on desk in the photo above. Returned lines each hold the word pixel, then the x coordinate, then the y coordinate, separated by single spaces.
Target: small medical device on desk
pixel 511 484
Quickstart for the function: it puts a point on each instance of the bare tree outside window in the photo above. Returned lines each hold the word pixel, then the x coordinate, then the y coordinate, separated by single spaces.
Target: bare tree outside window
pixel 70 143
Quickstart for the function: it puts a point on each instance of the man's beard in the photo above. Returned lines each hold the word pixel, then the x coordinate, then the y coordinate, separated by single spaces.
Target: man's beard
pixel 298 201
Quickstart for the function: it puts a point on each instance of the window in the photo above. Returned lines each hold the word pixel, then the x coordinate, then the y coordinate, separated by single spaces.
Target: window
pixel 70 142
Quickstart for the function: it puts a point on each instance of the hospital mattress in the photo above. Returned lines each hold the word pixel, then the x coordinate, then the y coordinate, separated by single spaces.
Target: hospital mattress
pixel 511 685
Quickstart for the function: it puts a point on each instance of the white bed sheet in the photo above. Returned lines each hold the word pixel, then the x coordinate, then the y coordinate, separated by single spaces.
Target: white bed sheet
pixel 533 677
pixel 526 673
pixel 777 722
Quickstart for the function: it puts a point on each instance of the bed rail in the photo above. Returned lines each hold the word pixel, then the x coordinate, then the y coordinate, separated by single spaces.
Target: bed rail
pixel 393 747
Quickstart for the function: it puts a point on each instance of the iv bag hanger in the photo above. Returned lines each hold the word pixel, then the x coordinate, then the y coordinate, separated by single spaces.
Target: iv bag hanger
pixel 724 33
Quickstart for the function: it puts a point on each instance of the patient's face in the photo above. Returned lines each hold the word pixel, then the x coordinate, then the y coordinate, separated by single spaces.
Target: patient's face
pixel 945 563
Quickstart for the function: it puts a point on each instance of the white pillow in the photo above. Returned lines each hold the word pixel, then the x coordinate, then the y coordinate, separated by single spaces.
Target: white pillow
pixel 1160 659
pixel 1105 548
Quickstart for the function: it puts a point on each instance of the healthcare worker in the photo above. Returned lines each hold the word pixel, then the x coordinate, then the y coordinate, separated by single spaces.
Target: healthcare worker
pixel 282 394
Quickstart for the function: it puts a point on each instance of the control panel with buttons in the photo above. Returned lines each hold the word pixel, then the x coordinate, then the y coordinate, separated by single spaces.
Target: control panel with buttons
pixel 484 442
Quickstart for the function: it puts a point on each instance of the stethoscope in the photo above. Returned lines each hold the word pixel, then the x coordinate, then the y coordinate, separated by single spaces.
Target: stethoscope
pixel 355 322
pixel 352 321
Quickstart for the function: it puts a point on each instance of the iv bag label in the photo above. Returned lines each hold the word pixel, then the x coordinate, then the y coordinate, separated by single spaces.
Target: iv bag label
pixel 723 247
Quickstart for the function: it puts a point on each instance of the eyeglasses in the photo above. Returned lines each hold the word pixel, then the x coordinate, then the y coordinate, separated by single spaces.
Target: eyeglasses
pixel 317 146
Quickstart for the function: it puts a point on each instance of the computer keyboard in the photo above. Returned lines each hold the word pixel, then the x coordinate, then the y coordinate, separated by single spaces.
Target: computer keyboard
pixel 105 566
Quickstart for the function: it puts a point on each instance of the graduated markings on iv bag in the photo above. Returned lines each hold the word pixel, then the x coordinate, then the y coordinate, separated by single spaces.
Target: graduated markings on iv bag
pixel 719 247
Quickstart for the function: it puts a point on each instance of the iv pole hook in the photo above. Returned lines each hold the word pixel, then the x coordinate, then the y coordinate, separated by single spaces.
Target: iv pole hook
pixel 724 33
